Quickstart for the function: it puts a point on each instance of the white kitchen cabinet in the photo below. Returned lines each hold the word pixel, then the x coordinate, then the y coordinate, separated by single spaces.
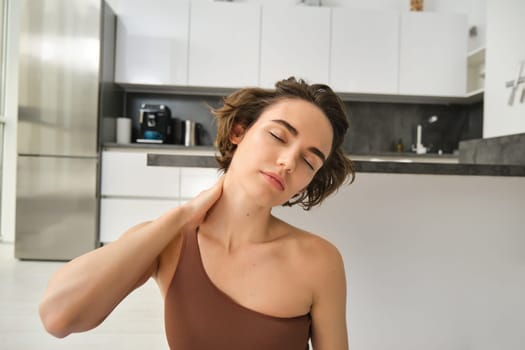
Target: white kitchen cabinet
pixel 133 192
pixel 364 57
pixel 224 44
pixel 126 174
pixel 476 71
pixel 195 180
pixel 295 40
pixel 152 42
pixel 117 215
pixel 433 54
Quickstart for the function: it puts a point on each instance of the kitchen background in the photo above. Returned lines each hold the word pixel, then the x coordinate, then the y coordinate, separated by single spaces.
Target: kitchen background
pixel 435 261
pixel 379 120
pixel 382 120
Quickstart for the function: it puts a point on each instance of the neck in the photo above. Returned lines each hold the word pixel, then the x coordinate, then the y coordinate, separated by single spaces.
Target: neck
pixel 235 221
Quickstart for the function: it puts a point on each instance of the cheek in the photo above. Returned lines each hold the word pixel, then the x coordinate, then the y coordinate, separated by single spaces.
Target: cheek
pixel 259 146
pixel 252 151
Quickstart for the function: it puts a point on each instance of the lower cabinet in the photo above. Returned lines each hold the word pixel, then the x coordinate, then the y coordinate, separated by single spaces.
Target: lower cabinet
pixel 126 173
pixel 194 180
pixel 133 192
pixel 117 215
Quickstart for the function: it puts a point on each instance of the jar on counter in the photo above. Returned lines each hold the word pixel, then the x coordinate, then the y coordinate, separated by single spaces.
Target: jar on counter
pixel 416 5
pixel 400 148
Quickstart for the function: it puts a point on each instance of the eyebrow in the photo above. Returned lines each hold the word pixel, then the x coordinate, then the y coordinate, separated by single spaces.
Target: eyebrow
pixel 294 132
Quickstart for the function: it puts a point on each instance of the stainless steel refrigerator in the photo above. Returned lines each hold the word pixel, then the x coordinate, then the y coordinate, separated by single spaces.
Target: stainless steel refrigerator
pixel 65 87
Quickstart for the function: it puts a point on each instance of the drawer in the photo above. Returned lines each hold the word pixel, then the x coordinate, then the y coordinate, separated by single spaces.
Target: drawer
pixel 127 174
pixel 195 180
pixel 117 215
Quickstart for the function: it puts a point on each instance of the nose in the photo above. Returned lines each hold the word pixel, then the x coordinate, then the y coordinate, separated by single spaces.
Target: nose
pixel 287 160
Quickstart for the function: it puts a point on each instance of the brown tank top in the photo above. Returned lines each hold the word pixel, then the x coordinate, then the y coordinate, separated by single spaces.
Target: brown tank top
pixel 199 316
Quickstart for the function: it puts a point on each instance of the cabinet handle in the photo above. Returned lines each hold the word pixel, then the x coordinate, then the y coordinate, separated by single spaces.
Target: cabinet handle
pixel 513 84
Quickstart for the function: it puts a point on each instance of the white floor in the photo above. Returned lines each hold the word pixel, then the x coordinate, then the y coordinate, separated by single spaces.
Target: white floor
pixel 137 323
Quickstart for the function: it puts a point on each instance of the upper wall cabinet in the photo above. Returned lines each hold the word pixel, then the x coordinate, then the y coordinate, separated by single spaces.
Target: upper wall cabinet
pixel 295 41
pixel 364 57
pixel 231 45
pixel 433 55
pixel 152 42
pixel 224 44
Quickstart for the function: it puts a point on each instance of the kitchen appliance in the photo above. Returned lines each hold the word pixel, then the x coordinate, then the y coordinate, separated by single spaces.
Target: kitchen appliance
pixel 65 87
pixel 155 124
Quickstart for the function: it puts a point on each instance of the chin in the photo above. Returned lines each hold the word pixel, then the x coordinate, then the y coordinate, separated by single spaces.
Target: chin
pixel 266 200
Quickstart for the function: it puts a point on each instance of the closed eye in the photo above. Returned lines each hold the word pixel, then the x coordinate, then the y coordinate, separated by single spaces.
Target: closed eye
pixel 275 136
pixel 308 163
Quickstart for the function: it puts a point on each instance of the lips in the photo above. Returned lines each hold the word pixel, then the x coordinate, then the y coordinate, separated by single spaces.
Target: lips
pixel 275 179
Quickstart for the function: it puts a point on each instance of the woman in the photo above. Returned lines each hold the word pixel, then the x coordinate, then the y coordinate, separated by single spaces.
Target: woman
pixel 232 275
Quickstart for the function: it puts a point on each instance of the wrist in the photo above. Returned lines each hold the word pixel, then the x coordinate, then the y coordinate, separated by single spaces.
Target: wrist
pixel 174 218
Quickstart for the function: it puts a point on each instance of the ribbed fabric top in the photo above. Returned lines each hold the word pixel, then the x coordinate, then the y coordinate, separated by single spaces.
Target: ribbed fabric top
pixel 199 316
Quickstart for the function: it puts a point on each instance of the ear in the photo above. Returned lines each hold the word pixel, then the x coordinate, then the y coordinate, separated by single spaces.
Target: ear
pixel 237 133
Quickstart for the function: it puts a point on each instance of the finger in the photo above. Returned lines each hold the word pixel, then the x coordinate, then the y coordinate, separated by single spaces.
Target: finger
pixel 217 188
pixel 214 192
pixel 205 200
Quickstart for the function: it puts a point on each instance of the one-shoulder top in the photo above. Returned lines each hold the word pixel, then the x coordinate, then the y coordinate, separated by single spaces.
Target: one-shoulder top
pixel 199 316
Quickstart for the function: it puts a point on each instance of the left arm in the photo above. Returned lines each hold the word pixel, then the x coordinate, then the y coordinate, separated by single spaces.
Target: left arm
pixel 329 304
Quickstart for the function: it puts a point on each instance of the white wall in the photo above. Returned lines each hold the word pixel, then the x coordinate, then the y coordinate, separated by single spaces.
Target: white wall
pixel 505 48
pixel 432 261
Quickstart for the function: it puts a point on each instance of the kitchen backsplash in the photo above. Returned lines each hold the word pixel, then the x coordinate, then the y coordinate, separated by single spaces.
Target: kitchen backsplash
pixel 378 127
pixel 374 127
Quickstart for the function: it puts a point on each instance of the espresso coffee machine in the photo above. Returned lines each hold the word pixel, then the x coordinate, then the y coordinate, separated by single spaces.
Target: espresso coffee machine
pixel 155 124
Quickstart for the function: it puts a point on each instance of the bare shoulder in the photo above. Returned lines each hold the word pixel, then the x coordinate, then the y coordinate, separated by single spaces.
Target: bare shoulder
pixel 314 247
pixel 320 248
pixel 326 280
pixel 318 256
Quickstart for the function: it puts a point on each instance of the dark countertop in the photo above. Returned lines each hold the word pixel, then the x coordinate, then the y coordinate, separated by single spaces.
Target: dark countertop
pixel 439 168
pixel 208 161
pixel 156 146
pixel 405 163
pixel 508 149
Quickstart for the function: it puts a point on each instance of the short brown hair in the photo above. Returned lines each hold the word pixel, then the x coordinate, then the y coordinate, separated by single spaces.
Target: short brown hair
pixel 244 107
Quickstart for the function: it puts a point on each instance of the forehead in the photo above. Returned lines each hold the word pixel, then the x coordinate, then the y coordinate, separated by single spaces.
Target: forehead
pixel 309 120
